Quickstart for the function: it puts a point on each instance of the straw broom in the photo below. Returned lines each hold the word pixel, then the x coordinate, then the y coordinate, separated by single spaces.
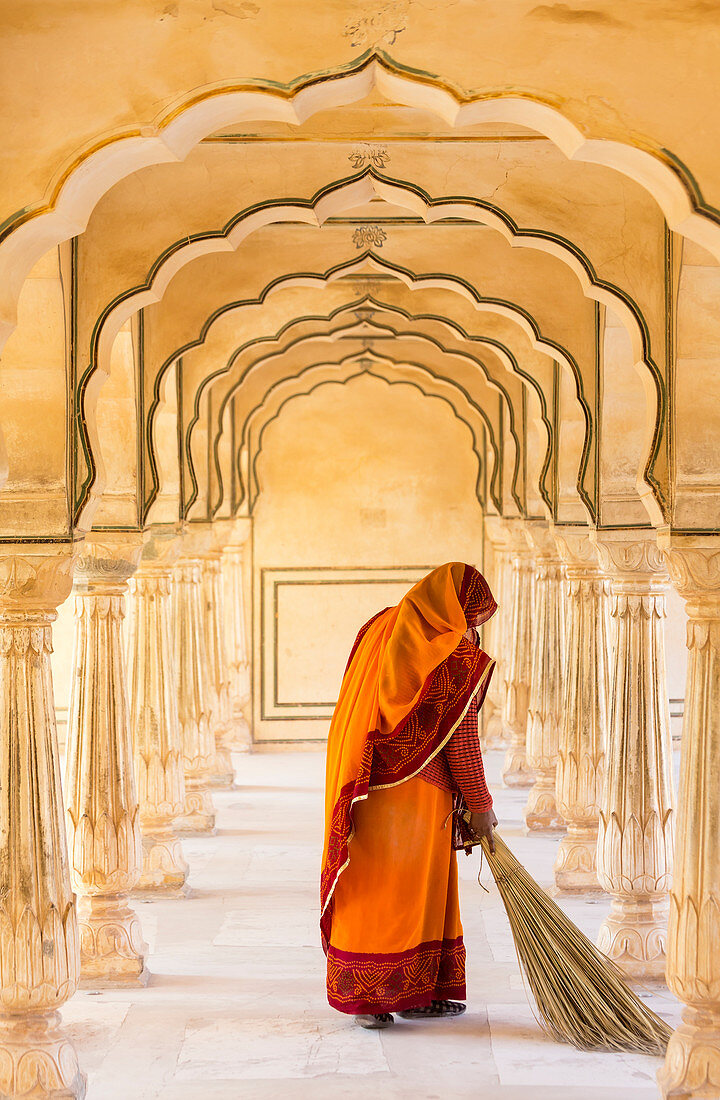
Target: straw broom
pixel 580 993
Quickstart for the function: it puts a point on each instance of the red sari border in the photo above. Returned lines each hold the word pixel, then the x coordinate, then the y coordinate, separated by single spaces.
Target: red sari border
pixel 359 983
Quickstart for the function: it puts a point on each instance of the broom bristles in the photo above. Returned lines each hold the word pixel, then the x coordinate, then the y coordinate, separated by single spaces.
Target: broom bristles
pixel 580 994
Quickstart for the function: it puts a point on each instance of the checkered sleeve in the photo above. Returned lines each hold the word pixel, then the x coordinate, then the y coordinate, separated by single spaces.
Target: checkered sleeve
pixel 465 763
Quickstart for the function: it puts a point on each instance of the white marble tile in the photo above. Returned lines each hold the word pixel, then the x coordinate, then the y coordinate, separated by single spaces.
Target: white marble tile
pixel 271 926
pixel 94 1021
pixel 499 936
pixel 148 917
pixel 525 1056
pixel 236 1005
pixel 269 1047
pixel 286 862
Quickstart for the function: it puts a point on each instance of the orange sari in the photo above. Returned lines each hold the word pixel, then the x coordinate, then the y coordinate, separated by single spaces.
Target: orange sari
pixel 390 920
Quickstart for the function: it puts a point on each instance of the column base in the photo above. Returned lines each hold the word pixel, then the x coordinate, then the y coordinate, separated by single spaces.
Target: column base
pixel 692 1062
pixel 199 816
pixel 112 949
pixel 240 733
pixel 222 773
pixel 576 862
pixel 165 869
pixel 634 936
pixel 516 771
pixel 541 812
pixel 493 731
pixel 37 1061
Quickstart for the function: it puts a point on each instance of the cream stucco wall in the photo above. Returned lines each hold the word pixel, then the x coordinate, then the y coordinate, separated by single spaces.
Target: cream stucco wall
pixel 359 484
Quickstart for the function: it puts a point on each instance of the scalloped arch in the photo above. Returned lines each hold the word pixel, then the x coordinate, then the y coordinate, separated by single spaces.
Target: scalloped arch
pixel 341 195
pixel 413 281
pixel 30 232
pixel 376 374
pixel 331 335
pixel 376 358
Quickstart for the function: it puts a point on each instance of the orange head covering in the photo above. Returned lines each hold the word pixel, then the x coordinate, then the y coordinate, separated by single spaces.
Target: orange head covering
pixel 391 667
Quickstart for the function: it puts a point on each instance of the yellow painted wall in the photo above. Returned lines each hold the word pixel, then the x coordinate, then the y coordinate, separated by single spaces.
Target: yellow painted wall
pixel 361 485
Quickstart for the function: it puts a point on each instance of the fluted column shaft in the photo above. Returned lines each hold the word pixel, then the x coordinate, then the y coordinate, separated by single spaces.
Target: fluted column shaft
pixel 223 773
pixel 39 944
pixel 101 797
pixel 517 772
pixel 583 726
pixel 198 744
pixel 692 1064
pixel 495 642
pixel 236 639
pixel 546 683
pixel 635 837
pixel 155 726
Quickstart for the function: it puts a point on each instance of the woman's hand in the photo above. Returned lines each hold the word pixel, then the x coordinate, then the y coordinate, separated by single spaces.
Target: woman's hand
pixel 482 825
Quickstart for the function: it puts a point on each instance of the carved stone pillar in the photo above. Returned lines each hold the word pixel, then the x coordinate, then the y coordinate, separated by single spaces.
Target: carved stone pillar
pixel 692 1063
pixel 39 946
pixel 517 772
pixel 154 718
pixel 222 771
pixel 495 642
pixel 635 838
pixel 101 799
pixel 546 682
pixel 236 636
pixel 198 743
pixel 583 726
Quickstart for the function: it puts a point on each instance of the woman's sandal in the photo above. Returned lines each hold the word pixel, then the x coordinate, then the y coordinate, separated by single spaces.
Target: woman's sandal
pixel 376 1022
pixel 433 1010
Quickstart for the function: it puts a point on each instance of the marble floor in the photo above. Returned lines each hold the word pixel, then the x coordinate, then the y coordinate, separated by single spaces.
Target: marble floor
pixel 235 1005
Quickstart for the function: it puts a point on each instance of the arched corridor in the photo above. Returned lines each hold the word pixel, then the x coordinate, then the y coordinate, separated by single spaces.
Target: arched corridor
pixel 236 1006
pixel 299 300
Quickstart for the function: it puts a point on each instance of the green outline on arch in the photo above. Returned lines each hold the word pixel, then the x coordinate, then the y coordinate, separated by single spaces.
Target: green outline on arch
pixel 517 233
pixel 415 280
pixel 320 335
pixel 388 382
pixel 420 368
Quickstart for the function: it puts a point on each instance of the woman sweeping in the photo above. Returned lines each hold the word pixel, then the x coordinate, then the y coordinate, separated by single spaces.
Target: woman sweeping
pixel 403 763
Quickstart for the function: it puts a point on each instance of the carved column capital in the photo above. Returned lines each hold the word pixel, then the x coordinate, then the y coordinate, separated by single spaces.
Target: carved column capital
pixel 200 539
pixel 107 561
pixel 35 578
pixel 517 538
pixel 577 551
pixel 631 557
pixel 162 547
pixel 233 533
pixel 497 531
pixel 694 568
pixel 541 542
